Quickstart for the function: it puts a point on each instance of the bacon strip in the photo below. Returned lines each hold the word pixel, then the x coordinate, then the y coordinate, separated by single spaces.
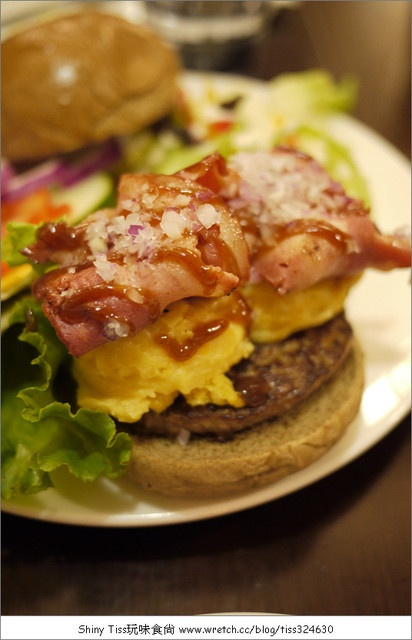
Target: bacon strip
pixel 169 239
pixel 221 244
pixel 315 251
pixel 86 311
pixel 300 225
pixel 213 173
pixel 202 232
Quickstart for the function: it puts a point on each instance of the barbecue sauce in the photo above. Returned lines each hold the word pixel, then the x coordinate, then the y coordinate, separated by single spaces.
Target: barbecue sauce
pixel 317 228
pixel 203 273
pixel 53 238
pixel 205 331
pixel 201 334
pixel 101 303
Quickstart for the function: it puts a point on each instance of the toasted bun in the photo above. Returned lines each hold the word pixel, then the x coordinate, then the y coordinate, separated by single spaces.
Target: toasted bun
pixel 80 79
pixel 259 455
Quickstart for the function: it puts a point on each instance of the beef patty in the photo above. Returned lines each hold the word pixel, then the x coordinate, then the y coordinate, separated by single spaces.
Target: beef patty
pixel 271 381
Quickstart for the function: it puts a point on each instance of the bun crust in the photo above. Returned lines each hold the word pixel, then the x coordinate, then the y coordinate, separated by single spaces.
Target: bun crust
pixel 254 457
pixel 80 79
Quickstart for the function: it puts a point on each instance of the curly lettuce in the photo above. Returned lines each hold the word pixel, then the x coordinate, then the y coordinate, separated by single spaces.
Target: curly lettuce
pixel 39 431
pixel 18 236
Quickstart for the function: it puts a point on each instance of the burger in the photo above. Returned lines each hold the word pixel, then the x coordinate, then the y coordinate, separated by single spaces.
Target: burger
pixel 100 75
pixel 190 331
pixel 203 317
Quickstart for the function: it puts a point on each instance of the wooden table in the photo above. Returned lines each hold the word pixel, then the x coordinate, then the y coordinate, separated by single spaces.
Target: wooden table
pixel 338 547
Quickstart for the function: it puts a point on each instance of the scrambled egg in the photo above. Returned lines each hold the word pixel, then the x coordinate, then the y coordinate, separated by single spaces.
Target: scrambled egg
pixel 129 377
pixel 277 317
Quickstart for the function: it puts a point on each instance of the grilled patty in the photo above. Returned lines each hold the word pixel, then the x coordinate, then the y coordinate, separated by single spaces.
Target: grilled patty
pixel 271 381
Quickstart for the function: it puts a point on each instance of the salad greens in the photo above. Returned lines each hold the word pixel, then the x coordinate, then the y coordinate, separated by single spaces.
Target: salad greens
pixel 19 235
pixel 40 432
pixel 292 109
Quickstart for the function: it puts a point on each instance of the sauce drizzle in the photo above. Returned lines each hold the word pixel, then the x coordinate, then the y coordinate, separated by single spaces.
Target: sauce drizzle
pixel 239 312
pixel 202 333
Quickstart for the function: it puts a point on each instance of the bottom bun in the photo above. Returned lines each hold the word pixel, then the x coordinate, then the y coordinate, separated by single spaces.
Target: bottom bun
pixel 265 453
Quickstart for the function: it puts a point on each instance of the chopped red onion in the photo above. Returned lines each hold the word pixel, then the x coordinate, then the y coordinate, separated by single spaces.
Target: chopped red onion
pixel 113 329
pixel 134 229
pixel 7 173
pixel 100 159
pixel 25 183
pixel 57 172
pixel 202 196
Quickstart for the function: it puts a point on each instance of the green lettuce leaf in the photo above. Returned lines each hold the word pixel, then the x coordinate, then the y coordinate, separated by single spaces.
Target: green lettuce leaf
pixel 294 106
pixel 19 235
pixel 39 432
pixel 312 92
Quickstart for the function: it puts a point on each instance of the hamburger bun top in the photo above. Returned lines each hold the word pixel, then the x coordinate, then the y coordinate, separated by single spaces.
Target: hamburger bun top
pixel 80 79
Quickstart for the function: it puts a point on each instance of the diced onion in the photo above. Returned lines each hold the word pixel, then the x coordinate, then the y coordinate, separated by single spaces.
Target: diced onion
pixel 7 173
pixel 25 183
pixel 99 159
pixel 57 172
pixel 183 437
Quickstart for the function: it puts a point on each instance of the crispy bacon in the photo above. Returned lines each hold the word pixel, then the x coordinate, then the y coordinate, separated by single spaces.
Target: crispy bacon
pixel 300 225
pixel 221 244
pixel 169 239
pixel 309 251
pixel 86 311
pixel 213 173
pixel 202 232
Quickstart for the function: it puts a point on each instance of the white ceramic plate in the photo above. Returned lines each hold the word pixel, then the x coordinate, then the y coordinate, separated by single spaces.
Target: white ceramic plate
pixel 379 310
